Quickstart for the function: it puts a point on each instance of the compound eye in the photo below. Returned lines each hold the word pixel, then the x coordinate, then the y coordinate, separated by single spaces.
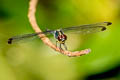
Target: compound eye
pixel 59 38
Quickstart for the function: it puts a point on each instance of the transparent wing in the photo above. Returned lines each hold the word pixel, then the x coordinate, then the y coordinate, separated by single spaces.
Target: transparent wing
pixel 25 36
pixel 89 28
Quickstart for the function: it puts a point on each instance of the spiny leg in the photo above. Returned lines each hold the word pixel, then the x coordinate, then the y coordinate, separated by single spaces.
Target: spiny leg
pixel 65 46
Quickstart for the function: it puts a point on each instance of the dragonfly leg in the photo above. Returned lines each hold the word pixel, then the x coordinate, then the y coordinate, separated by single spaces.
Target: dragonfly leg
pixel 56 43
pixel 65 46
pixel 60 46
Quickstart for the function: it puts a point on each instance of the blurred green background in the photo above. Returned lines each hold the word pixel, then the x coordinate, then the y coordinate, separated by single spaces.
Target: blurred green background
pixel 33 60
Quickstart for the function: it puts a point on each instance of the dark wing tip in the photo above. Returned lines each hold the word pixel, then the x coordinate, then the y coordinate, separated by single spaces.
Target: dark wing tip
pixel 104 28
pixel 108 23
pixel 10 41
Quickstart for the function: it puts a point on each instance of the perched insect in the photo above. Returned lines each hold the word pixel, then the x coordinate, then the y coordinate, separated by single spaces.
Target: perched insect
pixel 61 37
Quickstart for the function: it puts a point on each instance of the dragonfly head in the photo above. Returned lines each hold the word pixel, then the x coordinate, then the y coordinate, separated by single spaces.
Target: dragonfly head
pixel 62 38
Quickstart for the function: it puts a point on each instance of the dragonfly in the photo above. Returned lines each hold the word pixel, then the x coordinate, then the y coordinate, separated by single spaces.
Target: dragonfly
pixel 60 36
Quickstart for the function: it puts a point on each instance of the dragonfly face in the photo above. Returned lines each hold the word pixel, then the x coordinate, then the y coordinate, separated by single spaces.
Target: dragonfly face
pixel 61 37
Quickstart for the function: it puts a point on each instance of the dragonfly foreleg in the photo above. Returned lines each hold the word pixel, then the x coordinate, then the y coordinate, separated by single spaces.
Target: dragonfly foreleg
pixel 56 43
pixel 65 46
pixel 60 46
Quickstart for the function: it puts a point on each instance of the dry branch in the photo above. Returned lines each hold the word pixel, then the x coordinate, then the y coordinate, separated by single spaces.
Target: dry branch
pixel 32 19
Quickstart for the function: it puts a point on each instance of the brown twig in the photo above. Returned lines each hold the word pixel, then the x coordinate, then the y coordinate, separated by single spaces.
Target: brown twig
pixel 32 19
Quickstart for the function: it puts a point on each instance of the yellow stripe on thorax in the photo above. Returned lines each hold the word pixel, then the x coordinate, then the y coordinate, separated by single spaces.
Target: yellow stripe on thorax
pixel 61 42
pixel 60 33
